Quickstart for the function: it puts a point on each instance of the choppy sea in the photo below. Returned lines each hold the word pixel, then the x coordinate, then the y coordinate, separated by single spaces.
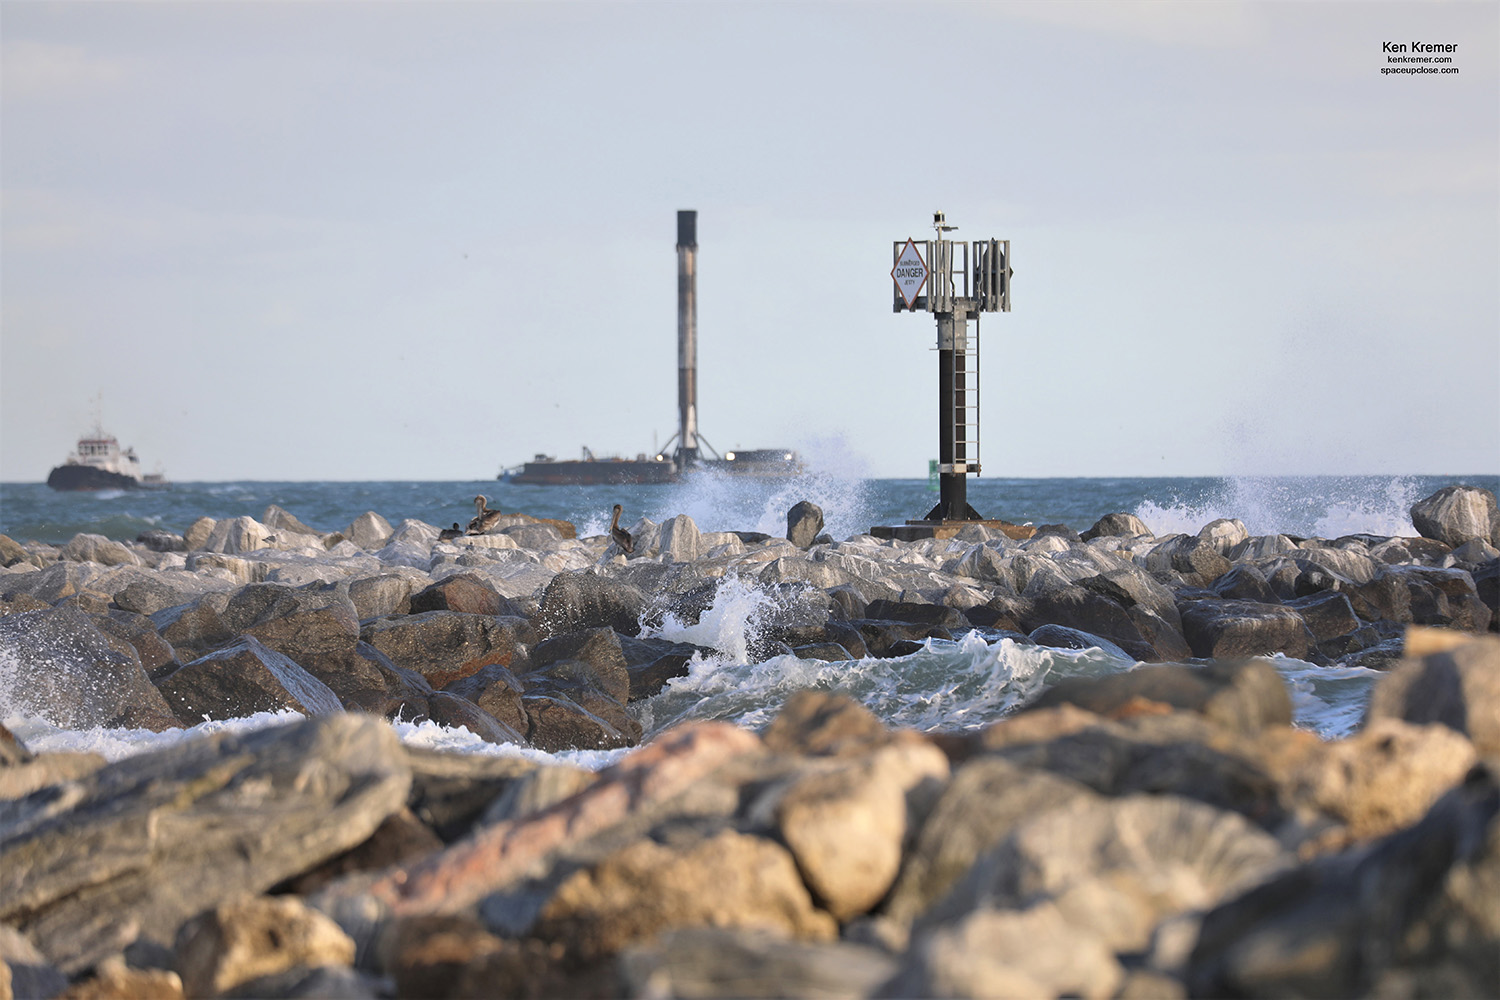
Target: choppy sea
pixel 964 684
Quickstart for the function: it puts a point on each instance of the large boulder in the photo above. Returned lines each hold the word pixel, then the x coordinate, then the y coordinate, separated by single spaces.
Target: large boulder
pixel 846 825
pixel 68 672
pixel 1446 680
pixel 1230 629
pixel 446 646
pixel 680 539
pixel 1116 525
pixel 235 535
pixel 98 549
pixel 231 946
pixel 1413 915
pixel 580 600
pixel 804 522
pixel 189 827
pixel 369 531
pixel 1243 696
pixel 466 592
pixel 725 879
pixel 1458 514
pixel 240 680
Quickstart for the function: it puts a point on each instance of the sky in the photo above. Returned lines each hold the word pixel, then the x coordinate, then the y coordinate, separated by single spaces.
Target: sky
pixel 369 241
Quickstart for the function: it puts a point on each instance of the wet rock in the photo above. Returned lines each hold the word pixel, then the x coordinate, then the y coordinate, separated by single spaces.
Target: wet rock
pixel 241 680
pixel 246 939
pixel 446 646
pixel 129 632
pixel 1245 583
pixel 556 724
pixel 1089 610
pixel 598 684
pixel 1424 596
pixel 68 672
pixel 579 600
pixel 1196 561
pixel 917 614
pixel 1410 916
pixel 803 523
pixel 496 690
pixel 448 709
pixel 1326 615
pixel 132 851
pixel 467 593
pixel 653 663
pixel 1233 629
pixel 1458 514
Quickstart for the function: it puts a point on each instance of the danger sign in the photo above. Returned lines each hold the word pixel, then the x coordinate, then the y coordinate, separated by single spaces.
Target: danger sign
pixel 910 273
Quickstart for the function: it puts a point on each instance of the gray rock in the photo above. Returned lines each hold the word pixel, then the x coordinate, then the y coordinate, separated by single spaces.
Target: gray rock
pixel 1116 525
pixel 69 673
pixel 101 550
pixel 1327 615
pixel 1243 696
pixel 124 856
pixel 147 597
pixel 803 523
pixel 711 962
pixel 369 531
pixel 496 690
pixel 1414 915
pixel 680 539
pixel 453 711
pixel 1458 514
pixel 446 646
pixel 987 798
pixel 1232 629
pixel 241 680
pixel 580 600
pixel 1457 687
pixel 198 532
pixel 281 521
pixel 380 595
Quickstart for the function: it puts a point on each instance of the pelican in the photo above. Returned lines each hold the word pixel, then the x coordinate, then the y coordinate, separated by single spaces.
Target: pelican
pixel 448 533
pixel 484 518
pixel 620 535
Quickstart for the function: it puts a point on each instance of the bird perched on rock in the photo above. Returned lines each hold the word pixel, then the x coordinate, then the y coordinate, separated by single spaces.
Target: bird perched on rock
pixel 484 518
pixel 620 535
pixel 448 533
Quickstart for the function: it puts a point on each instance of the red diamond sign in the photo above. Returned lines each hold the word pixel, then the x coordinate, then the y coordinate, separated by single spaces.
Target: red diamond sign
pixel 910 273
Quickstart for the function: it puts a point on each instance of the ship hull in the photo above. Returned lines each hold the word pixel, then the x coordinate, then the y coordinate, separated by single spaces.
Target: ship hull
pixel 74 478
pixel 594 473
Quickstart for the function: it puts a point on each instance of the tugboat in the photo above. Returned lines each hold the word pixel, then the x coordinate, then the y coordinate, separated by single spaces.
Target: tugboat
pixel 100 464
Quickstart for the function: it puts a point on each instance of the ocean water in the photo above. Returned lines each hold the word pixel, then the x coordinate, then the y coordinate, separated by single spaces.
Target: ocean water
pixel 959 685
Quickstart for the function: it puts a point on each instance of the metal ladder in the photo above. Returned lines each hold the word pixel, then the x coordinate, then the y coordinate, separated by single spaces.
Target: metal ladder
pixel 966 403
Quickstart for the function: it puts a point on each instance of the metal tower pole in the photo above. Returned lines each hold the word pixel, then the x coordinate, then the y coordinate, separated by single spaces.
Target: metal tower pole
pixel 687 338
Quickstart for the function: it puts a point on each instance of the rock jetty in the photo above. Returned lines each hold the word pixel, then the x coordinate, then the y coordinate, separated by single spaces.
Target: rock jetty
pixel 1162 832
